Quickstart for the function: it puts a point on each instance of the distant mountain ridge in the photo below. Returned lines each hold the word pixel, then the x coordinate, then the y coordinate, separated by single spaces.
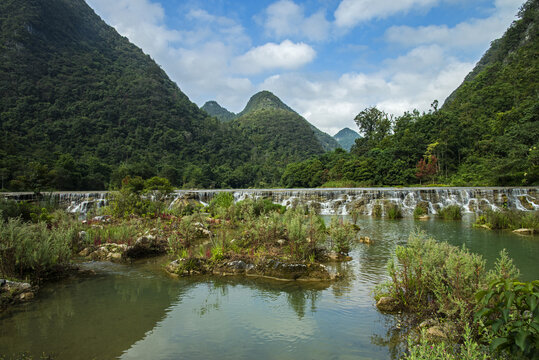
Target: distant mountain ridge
pixel 266 100
pixel 346 138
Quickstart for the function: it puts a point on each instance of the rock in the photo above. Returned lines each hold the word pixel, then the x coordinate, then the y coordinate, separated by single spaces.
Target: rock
pixel 436 333
pixel 145 246
pixel 388 304
pixel 365 240
pixel 26 296
pixel 116 256
pixel 524 231
pixel 424 217
pixel 83 235
pixel 281 242
pixel 85 252
pixel 101 218
pixel 2 282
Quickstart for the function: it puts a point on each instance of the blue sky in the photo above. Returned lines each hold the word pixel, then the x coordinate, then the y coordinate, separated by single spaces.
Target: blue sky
pixel 327 59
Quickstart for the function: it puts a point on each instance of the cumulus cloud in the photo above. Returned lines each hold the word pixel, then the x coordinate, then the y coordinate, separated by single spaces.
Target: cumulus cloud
pixel 410 81
pixel 469 34
pixel 286 55
pixel 352 12
pixel 285 19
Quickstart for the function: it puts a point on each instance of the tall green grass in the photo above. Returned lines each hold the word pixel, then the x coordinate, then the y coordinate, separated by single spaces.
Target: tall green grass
pixel 450 212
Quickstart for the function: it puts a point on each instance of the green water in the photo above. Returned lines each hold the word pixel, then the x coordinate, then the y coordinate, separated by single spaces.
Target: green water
pixel 138 312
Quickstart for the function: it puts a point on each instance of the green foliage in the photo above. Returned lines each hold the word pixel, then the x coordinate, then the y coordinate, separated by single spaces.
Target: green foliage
pixel 419 211
pixel 511 312
pixel 509 219
pixel 431 277
pixel 33 249
pixel 425 350
pixel 450 212
pixel 341 234
pixel 393 211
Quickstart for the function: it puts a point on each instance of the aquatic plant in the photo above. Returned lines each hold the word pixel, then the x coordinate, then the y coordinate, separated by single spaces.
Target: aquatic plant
pixel 450 212
pixel 393 211
pixel 377 210
pixel 509 219
pixel 341 234
pixel 419 211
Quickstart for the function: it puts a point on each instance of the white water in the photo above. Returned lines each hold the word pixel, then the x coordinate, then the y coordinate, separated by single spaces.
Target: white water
pixel 342 201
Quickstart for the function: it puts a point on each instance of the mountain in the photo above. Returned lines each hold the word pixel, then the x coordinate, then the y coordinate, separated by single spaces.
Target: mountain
pixel 81 107
pixel 346 138
pixel 495 112
pixel 214 109
pixel 266 100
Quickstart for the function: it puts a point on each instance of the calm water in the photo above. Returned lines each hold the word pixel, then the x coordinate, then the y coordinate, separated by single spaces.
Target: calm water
pixel 138 312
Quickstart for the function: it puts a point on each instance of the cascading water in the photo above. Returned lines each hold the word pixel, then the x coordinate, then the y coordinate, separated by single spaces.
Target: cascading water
pixel 343 201
pixel 338 201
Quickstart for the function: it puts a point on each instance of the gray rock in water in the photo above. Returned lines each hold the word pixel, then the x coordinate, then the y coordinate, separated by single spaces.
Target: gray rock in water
pixel 388 304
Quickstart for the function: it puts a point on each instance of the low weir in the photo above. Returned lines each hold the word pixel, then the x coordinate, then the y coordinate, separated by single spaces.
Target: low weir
pixel 339 201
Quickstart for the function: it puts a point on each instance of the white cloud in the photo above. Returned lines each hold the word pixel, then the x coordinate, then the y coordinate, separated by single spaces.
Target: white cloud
pixel 285 19
pixel 470 34
pixel 352 12
pixel 286 55
pixel 410 81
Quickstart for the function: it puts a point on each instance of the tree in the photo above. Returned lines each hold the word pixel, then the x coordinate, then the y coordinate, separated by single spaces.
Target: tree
pixel 374 124
pixel 427 167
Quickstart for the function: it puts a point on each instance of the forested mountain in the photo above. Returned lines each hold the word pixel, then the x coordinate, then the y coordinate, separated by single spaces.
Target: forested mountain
pixel 487 132
pixel 266 100
pixel 214 109
pixel 346 138
pixel 81 108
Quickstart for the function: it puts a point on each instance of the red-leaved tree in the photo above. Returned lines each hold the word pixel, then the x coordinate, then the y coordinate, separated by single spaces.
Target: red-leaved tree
pixel 427 167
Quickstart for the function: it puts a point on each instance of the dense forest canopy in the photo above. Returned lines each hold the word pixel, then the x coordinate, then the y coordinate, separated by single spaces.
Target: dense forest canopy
pixel 486 133
pixel 81 108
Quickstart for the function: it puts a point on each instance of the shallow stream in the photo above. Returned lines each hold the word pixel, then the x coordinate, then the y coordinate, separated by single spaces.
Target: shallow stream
pixel 138 312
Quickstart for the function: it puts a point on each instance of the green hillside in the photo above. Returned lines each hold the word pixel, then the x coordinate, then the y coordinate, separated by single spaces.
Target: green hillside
pixel 346 138
pixel 81 108
pixel 487 132
pixel 214 109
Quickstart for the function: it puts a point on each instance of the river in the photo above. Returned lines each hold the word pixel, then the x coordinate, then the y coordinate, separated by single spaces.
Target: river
pixel 138 312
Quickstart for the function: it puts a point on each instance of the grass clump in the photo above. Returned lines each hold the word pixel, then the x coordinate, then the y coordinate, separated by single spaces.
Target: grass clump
pixel 377 211
pixel 393 211
pixel 450 212
pixel 509 219
pixel 420 210
pixel 33 249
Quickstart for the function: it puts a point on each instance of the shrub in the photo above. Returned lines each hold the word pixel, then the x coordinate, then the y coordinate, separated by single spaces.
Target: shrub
pixel 450 212
pixel 341 235
pixel 511 313
pixel 419 211
pixel 393 211
pixel 509 219
pixel 425 350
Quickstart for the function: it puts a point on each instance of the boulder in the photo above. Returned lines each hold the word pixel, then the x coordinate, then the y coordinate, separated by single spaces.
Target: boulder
pixel 146 245
pixel 524 231
pixel 388 304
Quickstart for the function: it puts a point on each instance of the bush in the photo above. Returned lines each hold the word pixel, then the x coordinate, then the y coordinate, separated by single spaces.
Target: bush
pixel 419 211
pixel 511 313
pixel 509 219
pixel 435 278
pixel 450 212
pixel 341 235
pixel 393 211
pixel 28 249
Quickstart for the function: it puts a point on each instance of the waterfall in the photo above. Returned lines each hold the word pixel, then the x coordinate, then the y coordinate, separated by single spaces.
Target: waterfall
pixel 338 201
